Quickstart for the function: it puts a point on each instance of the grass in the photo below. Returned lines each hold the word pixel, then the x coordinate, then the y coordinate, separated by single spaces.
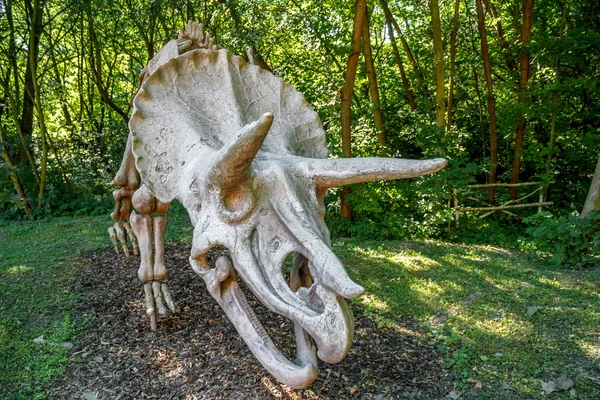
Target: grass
pixel 471 299
pixel 474 301
pixel 37 268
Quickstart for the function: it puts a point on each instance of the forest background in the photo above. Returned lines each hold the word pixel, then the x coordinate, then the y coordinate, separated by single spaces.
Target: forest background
pixel 506 90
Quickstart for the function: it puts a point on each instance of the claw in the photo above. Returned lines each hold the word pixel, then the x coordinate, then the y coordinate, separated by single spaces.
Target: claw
pixel 158 298
pixel 131 238
pixel 167 296
pixel 113 238
pixel 122 238
pixel 150 310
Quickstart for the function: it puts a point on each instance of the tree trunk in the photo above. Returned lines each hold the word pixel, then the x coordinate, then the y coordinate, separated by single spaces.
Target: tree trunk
pixel 407 50
pixel 16 121
pixel 440 109
pixel 14 178
pixel 28 101
pixel 96 65
pixel 405 83
pixel 491 10
pixel 352 63
pixel 373 87
pixel 452 65
pixel 476 80
pixel 37 15
pixel 341 69
pixel 524 62
pixel 491 102
pixel 24 153
pixel 592 202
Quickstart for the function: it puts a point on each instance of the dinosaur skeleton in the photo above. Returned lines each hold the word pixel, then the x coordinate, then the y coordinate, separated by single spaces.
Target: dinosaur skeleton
pixel 246 156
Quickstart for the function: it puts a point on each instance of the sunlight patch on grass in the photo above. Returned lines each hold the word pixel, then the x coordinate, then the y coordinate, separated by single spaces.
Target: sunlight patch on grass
pixel 483 294
pixel 17 269
pixel 373 302
pixel 426 290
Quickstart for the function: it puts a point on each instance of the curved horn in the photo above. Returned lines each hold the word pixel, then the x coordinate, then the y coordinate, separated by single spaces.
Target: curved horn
pixel 328 173
pixel 231 164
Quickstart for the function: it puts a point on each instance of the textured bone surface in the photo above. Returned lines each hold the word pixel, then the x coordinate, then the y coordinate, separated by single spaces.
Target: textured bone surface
pixel 246 155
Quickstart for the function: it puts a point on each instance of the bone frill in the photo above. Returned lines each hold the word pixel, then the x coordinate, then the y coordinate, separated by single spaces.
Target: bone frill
pixel 246 156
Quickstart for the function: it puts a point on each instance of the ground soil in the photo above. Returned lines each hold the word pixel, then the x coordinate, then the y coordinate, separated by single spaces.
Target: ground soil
pixel 197 353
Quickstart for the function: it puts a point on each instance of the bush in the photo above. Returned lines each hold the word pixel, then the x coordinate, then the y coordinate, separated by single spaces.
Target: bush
pixel 564 240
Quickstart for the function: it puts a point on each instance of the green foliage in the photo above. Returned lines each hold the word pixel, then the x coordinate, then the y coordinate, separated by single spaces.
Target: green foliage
pixel 36 277
pixel 460 355
pixel 473 301
pixel 564 240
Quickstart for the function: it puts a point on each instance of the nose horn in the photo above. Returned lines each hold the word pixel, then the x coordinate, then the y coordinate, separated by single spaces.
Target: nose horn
pixel 232 163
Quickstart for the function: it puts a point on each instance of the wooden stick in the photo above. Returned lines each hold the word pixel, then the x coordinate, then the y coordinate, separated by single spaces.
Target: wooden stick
pixel 456 206
pixel 485 185
pixel 543 204
pixel 489 205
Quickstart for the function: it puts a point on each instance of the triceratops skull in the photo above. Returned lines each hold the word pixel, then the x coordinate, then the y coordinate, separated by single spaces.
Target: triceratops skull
pixel 246 155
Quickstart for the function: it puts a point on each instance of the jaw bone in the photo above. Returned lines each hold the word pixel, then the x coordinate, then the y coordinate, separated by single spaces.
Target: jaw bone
pixel 222 284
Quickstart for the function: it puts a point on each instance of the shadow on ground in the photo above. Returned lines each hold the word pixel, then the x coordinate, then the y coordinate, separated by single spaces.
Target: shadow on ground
pixel 197 353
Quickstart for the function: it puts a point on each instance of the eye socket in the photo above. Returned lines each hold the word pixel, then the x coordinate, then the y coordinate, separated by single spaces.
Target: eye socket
pixel 237 205
pixel 235 200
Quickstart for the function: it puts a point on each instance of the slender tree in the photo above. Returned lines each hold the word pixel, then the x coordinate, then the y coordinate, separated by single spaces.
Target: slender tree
pixel 12 170
pixel 405 84
pixel 35 31
pixel 452 65
pixel 37 15
pixel 491 101
pixel 524 78
pixel 440 108
pixel 413 62
pixel 373 87
pixel 493 13
pixel 346 96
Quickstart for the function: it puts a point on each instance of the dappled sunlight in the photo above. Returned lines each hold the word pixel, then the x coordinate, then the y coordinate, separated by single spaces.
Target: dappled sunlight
pixel 590 346
pixel 507 327
pixel 371 301
pixel 19 269
pixel 426 290
pixel 412 261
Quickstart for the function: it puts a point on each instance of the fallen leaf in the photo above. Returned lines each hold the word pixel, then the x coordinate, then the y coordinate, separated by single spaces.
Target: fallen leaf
pixel 532 310
pixel 39 340
pixel 564 383
pixel 453 395
pixel 353 389
pixel 479 385
pixel 548 387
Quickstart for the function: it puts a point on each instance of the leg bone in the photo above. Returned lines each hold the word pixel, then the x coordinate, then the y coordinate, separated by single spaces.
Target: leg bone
pixel 122 238
pixel 160 225
pixel 113 238
pixel 150 310
pixel 131 238
pixel 142 228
